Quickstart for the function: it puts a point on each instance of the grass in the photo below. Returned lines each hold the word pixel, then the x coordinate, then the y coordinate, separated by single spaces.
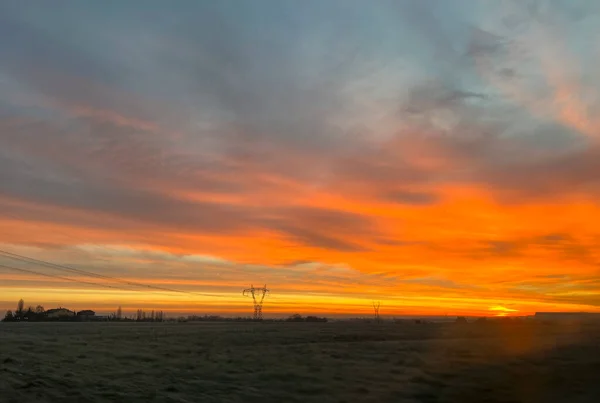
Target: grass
pixel 298 362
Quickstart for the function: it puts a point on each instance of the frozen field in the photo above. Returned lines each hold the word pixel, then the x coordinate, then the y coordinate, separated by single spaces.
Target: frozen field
pixel 298 362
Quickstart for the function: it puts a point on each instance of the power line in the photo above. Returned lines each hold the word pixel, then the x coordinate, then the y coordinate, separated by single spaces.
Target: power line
pixel 26 259
pixel 60 267
pixel 66 278
pixel 61 277
pixel 63 233
pixel 16 256
pixel 55 266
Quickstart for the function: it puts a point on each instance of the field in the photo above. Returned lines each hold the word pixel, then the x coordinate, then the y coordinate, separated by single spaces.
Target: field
pixel 298 362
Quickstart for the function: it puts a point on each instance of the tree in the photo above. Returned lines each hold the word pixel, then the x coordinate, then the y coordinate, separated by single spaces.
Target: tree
pixel 39 309
pixel 20 307
pixel 9 317
pixel 295 318
pixel 158 316
pixel 119 313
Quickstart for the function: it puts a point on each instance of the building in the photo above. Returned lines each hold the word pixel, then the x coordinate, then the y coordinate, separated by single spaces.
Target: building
pixel 568 316
pixel 86 314
pixel 59 313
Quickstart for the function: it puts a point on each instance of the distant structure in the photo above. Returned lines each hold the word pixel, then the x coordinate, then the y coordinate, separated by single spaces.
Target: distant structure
pixel 59 312
pixel 376 305
pixel 258 296
pixel 86 314
pixel 568 316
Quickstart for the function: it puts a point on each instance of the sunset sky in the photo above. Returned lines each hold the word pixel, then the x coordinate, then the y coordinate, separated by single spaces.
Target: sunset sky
pixel 442 157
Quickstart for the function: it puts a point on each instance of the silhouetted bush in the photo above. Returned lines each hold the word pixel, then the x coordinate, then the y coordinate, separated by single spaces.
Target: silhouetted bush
pixel 295 318
pixel 299 318
pixel 9 317
pixel 315 319
pixel 21 314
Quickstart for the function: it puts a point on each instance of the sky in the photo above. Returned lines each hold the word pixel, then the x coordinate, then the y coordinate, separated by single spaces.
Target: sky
pixel 441 157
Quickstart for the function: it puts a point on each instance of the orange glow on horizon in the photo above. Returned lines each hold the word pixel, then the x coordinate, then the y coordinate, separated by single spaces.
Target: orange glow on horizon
pixel 435 263
pixel 502 310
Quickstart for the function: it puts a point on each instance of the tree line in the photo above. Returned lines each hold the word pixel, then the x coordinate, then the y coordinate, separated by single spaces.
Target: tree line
pixel 39 314
pixel 299 318
pixel 217 318
pixel 152 316
pixel 33 314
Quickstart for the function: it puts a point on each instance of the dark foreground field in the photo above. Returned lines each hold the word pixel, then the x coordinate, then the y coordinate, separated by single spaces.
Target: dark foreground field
pixel 298 362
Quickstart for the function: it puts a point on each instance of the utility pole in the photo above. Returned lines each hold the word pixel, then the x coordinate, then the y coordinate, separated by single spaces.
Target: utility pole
pixel 258 295
pixel 376 305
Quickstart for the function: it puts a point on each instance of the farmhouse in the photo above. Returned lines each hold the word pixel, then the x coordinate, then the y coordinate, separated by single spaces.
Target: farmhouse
pixel 86 314
pixel 59 313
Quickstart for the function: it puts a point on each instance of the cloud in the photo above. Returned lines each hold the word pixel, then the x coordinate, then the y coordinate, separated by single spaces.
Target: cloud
pixel 414 198
pixel 437 282
pixel 454 151
pixel 554 276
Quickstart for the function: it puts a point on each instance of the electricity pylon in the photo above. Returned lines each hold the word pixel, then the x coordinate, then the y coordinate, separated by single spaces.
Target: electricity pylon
pixel 258 296
pixel 376 309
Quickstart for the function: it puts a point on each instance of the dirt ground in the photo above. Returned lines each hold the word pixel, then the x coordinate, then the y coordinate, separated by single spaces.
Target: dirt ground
pixel 298 362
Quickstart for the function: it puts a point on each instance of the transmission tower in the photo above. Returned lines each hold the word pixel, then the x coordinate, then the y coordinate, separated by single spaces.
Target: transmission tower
pixel 258 296
pixel 376 305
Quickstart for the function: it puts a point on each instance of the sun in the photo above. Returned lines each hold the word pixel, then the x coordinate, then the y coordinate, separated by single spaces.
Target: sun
pixel 502 310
